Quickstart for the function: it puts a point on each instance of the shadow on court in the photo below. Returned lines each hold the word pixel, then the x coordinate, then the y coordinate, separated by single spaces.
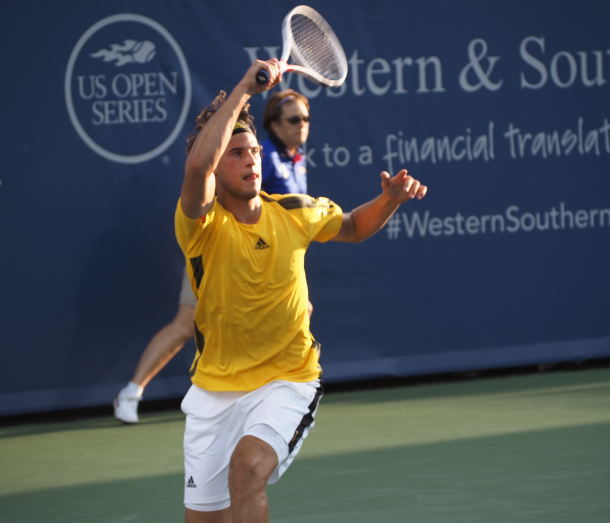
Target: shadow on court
pixel 545 476
pixel 139 500
pixel 559 475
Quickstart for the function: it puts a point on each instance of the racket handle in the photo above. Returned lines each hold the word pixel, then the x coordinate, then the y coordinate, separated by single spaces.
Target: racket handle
pixel 262 77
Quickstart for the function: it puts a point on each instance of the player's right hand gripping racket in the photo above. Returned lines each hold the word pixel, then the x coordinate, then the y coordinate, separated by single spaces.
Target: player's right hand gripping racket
pixel 314 47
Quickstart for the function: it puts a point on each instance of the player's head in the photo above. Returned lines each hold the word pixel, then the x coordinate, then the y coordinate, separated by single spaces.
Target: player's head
pixel 287 116
pixel 239 169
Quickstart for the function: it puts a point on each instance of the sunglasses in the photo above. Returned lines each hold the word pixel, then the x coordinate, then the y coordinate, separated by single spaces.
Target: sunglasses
pixel 294 120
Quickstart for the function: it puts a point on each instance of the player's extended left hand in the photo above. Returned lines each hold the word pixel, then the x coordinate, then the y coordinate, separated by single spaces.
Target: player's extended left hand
pixel 402 187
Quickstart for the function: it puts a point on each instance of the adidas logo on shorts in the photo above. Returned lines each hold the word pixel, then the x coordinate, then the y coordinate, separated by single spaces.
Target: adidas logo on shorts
pixel 190 483
pixel 261 244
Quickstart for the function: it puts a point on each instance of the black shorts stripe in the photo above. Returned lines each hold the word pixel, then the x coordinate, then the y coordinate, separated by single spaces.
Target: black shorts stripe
pixel 307 419
pixel 197 265
pixel 200 343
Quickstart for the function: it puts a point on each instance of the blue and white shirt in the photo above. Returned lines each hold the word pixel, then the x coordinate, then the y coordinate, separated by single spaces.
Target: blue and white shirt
pixel 282 174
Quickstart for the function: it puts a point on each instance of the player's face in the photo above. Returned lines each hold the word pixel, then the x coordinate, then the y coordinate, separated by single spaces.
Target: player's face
pixel 292 134
pixel 239 168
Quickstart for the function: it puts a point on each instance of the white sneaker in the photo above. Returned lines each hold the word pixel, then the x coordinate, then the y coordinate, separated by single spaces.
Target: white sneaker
pixel 126 408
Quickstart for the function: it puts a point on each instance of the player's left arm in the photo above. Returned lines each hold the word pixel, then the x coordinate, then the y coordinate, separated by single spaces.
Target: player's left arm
pixel 366 220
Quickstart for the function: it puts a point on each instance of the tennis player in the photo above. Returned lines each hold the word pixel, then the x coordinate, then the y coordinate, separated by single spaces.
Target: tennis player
pixel 286 120
pixel 256 384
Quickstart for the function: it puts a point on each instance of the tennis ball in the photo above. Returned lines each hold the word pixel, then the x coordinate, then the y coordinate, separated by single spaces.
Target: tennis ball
pixel 144 51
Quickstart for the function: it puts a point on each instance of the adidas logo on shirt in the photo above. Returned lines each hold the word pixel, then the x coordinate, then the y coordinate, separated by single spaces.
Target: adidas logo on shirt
pixel 190 483
pixel 260 244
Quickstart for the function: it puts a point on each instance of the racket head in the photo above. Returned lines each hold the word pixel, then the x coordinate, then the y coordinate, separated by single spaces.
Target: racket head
pixel 314 47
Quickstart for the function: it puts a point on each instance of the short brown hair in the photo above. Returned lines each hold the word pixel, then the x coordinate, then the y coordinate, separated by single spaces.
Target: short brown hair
pixel 207 113
pixel 272 112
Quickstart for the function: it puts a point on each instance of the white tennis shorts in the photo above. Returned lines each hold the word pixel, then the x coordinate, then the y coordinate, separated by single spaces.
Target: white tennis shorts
pixel 280 413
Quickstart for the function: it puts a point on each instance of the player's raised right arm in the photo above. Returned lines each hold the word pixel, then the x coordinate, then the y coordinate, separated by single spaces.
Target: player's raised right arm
pixel 198 187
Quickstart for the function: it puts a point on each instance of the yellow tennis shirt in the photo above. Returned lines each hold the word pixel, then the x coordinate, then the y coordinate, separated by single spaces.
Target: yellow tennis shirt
pixel 251 322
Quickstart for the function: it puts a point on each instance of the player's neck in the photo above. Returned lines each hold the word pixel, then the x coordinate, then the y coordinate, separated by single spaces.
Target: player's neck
pixel 244 210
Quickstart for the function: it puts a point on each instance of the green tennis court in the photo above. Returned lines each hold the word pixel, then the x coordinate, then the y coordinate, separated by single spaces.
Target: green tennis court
pixel 517 449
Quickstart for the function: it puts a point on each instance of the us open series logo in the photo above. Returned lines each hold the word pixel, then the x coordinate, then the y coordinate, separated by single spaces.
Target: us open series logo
pixel 127 88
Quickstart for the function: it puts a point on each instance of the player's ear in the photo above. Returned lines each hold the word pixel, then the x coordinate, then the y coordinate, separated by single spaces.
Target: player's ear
pixel 274 125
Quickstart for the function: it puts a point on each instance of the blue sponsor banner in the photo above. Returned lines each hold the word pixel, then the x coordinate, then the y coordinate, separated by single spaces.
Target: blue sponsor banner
pixel 501 109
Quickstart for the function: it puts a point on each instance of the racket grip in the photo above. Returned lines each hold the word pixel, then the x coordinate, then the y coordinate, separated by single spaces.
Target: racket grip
pixel 262 77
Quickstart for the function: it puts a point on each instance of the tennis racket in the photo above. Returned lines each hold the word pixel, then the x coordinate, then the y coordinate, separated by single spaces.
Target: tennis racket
pixel 314 47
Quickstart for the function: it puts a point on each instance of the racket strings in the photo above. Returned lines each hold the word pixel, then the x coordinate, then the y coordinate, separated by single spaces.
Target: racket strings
pixel 315 48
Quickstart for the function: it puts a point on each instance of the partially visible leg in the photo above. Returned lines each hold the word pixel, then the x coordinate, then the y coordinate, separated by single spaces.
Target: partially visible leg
pixel 160 349
pixel 252 463
pixel 164 345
